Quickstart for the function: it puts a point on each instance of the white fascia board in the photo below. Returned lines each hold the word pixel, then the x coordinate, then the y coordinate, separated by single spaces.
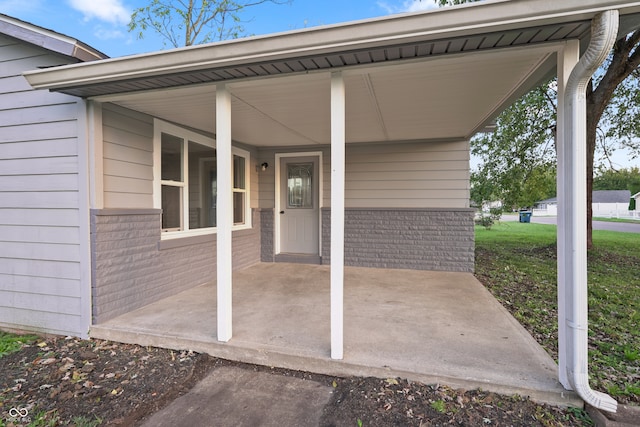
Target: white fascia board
pixel 477 18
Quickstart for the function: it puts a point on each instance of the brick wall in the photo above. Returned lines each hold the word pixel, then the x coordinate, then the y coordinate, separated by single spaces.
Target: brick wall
pixel 267 230
pixel 418 239
pixel 132 267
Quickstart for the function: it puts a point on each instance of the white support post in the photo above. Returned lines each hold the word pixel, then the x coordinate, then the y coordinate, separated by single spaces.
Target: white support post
pixel 338 132
pixel 224 212
pixel 567 59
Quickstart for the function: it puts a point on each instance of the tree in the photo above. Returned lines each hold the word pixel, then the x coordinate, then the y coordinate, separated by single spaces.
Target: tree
pixel 189 22
pixel 623 179
pixel 613 105
pixel 518 159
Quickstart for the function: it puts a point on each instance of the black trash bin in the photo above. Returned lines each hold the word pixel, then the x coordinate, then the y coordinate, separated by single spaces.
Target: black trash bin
pixel 525 216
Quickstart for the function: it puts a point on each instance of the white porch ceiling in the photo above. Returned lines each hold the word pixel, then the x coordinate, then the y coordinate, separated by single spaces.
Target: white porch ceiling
pixel 438 98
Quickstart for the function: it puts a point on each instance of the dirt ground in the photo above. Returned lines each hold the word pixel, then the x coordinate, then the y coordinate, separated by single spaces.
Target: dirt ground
pixel 67 381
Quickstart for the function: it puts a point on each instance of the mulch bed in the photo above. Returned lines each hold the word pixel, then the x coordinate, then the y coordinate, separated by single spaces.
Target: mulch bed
pixel 68 381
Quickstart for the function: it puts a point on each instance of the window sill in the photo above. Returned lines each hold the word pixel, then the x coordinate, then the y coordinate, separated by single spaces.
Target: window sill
pixel 177 241
pixel 172 240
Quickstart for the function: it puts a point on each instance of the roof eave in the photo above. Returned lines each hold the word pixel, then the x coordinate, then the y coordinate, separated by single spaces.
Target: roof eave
pixel 47 39
pixel 500 15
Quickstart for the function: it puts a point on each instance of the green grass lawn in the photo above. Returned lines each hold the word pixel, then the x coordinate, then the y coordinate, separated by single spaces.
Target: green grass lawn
pixel 517 263
pixel 10 343
pixel 630 221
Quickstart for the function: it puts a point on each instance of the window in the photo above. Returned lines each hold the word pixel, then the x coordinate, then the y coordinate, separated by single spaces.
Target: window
pixel 187 189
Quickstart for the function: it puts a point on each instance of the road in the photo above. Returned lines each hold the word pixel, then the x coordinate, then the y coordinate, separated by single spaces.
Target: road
pixel 624 227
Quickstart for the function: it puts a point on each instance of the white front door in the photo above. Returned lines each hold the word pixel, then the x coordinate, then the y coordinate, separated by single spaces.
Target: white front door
pixel 299 205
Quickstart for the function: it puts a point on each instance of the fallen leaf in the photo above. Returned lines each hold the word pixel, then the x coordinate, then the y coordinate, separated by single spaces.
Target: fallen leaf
pixel 334 384
pixel 48 361
pixel 391 381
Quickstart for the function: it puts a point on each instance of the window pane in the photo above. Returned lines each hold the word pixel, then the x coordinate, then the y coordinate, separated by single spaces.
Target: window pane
pixel 299 185
pixel 171 208
pixel 171 168
pixel 238 207
pixel 238 172
pixel 202 186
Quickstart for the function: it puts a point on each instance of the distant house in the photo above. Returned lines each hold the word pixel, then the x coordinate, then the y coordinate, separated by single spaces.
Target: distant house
pixel 611 202
pixel 548 207
pixel 604 203
pixel 636 198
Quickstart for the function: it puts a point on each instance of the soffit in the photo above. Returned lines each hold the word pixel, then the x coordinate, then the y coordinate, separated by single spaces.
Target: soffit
pixel 447 97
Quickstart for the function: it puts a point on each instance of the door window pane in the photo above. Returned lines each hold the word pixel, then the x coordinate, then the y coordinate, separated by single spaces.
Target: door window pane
pixel 299 186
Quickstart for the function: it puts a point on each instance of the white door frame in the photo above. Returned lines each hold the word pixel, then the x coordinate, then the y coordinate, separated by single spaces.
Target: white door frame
pixel 278 208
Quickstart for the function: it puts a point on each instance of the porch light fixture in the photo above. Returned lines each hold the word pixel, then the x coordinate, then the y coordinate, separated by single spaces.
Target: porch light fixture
pixel 264 166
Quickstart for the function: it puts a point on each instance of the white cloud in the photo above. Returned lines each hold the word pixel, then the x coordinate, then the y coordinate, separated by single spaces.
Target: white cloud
pixel 407 6
pixel 112 11
pixel 106 34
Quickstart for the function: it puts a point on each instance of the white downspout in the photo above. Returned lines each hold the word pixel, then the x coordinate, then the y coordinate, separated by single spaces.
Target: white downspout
pixel 604 30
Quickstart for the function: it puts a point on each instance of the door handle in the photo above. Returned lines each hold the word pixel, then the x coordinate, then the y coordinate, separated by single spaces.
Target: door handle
pixel 281 212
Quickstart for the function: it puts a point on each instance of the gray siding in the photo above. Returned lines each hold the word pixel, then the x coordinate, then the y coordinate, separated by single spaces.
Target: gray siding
pixel 392 175
pixel 128 158
pixel 41 191
pixel 133 268
pixel 417 239
pixel 407 175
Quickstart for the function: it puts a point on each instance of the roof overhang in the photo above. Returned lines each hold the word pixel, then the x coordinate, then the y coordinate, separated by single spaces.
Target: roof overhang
pixel 407 75
pixel 51 40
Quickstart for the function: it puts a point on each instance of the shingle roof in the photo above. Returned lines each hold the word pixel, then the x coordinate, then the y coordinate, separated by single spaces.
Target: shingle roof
pixel 601 196
pixel 611 196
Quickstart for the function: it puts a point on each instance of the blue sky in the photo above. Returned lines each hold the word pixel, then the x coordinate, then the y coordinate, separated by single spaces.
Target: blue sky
pixel 102 24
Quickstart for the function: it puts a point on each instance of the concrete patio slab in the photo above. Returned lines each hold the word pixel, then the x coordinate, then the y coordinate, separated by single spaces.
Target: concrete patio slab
pixel 433 327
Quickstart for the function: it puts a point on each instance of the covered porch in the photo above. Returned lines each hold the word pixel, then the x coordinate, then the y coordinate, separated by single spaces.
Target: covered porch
pixel 432 327
pixel 374 87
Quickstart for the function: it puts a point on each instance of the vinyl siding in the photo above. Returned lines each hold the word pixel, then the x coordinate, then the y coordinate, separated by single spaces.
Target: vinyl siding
pixel 40 233
pixel 411 175
pixel 393 175
pixel 128 158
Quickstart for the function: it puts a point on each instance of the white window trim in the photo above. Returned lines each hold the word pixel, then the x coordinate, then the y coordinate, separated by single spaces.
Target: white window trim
pixel 159 127
pixel 247 190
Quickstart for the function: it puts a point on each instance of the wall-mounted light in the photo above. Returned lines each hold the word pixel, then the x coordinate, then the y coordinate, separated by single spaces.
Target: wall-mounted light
pixel 264 166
